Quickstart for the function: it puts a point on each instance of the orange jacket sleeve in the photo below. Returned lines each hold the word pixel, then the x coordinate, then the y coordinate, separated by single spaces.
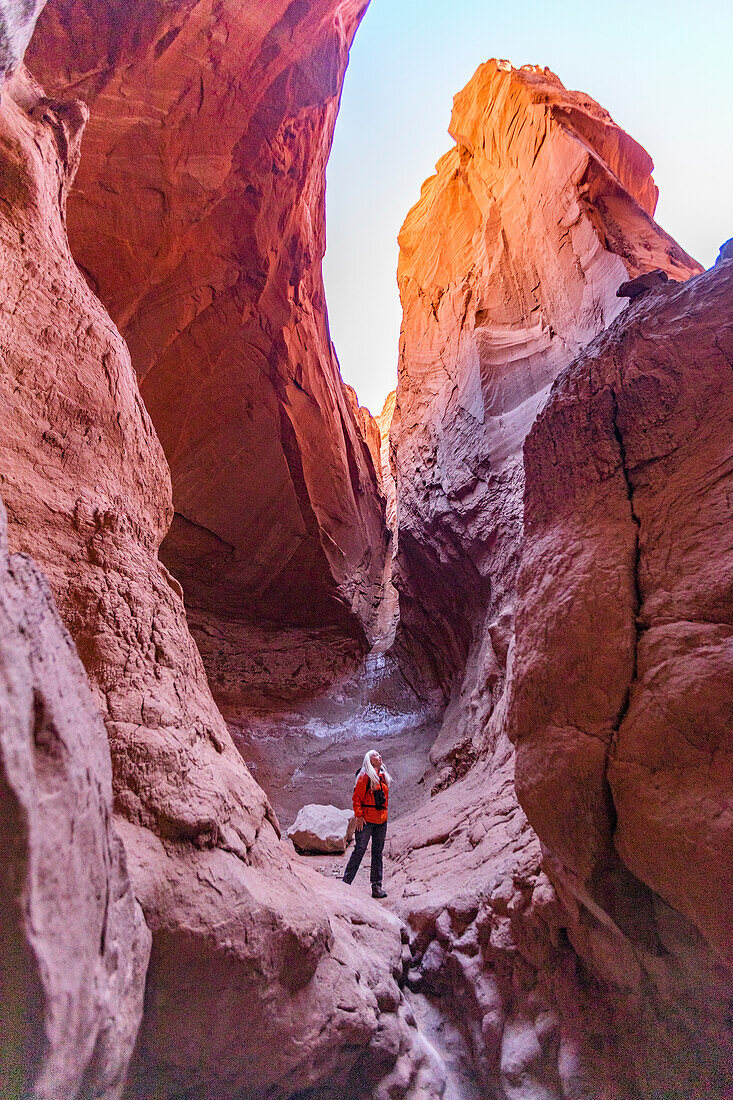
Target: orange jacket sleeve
pixel 359 792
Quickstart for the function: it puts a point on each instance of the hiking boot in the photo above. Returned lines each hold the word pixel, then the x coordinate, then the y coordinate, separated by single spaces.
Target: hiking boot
pixel 378 892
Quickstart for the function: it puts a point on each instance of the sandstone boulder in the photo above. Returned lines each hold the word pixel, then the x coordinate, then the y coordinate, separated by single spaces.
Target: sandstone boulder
pixel 322 829
pixel 73 943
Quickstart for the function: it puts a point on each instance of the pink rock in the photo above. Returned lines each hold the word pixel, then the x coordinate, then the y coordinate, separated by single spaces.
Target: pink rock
pixel 509 265
pixel 322 829
pixel 620 697
pixel 239 938
pixel 73 943
pixel 212 271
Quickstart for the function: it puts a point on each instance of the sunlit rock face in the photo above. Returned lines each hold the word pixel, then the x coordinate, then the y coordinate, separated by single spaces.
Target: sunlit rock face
pixel 17 19
pixel 198 217
pixel 73 942
pixel 509 264
pixel 579 938
pixel 384 423
pixel 262 980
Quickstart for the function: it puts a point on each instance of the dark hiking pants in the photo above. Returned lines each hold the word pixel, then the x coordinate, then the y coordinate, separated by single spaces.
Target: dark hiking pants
pixel 361 839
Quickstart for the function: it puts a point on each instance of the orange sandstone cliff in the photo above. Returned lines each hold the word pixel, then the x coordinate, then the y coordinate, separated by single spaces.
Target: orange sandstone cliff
pixel 558 896
pixel 509 264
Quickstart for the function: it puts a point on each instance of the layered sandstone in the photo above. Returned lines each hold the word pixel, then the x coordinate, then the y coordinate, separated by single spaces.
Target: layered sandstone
pixel 620 697
pixel 576 940
pixel 198 218
pixel 73 942
pixel 509 264
pixel 579 951
pixel 584 947
pixel 238 937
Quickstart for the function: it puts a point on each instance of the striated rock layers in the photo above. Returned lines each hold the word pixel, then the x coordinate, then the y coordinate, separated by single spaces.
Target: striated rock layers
pixel 258 982
pixel 198 218
pixel 620 697
pixel 591 958
pixel 581 947
pixel 73 942
pixel 509 264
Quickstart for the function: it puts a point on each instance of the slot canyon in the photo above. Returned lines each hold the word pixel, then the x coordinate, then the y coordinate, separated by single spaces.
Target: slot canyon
pixel 221 580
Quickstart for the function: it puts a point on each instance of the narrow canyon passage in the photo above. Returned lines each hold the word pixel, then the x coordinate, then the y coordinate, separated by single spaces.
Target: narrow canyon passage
pixel 514 582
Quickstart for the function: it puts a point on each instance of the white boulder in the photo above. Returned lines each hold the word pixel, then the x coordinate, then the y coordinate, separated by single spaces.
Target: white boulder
pixel 322 829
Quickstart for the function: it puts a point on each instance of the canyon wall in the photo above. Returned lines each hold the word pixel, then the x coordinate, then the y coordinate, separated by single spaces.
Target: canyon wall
pixel 71 990
pixel 560 585
pixel 263 979
pixel 620 693
pixel 579 940
pixel 198 219
pixel 509 264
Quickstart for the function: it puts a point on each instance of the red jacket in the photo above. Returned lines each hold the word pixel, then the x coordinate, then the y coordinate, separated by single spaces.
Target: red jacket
pixel 363 800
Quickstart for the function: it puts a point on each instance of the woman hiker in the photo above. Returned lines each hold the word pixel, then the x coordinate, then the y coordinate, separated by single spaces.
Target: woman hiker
pixel 371 798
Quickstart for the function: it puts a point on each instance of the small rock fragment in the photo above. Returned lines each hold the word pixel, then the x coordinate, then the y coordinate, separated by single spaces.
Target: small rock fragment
pixel 634 288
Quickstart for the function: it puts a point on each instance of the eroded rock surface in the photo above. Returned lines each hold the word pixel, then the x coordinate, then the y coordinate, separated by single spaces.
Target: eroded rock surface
pixel 581 959
pixel 509 264
pixel 620 690
pixel 88 491
pixel 488 944
pixel 73 943
pixel 198 216
pixel 17 20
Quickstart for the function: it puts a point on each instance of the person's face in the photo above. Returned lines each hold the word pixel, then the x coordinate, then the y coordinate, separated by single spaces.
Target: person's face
pixel 376 760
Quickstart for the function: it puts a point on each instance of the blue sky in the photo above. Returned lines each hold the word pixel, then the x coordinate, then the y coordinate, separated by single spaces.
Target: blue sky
pixel 662 68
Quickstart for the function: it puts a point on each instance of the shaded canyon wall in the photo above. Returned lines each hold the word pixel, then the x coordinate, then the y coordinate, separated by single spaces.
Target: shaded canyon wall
pixel 217 120
pixel 88 493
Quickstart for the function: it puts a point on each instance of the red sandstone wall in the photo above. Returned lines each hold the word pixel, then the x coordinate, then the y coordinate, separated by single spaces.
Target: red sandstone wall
pixel 620 693
pixel 198 217
pixel 588 958
pixel 239 935
pixel 509 264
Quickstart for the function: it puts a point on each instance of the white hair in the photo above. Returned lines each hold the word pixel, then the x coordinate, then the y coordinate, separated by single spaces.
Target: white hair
pixel 367 768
